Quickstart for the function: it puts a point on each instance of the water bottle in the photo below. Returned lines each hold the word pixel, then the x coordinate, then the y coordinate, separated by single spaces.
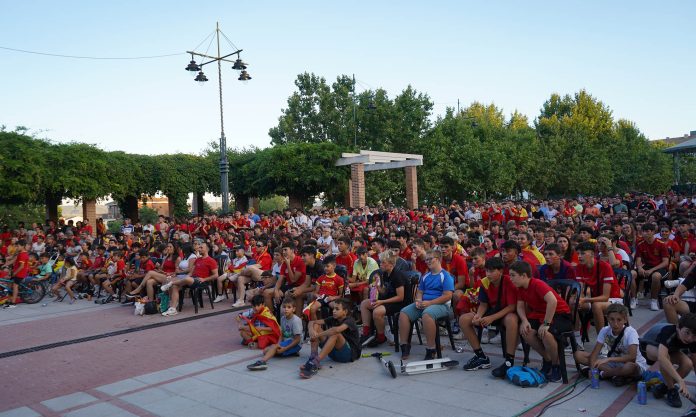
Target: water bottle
pixel 642 393
pixel 373 294
pixel 594 378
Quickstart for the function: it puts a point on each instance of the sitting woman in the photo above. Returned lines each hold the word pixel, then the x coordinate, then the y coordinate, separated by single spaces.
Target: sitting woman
pixel 160 275
pixel 67 281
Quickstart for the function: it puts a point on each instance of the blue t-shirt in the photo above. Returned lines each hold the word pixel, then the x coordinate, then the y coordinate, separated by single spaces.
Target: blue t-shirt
pixel 433 285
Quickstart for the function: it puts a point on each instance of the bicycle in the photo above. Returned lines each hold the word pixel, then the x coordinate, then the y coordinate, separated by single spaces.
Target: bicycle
pixel 30 292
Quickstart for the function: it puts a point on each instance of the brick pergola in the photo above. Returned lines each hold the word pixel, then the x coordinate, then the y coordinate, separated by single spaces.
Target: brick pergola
pixel 366 161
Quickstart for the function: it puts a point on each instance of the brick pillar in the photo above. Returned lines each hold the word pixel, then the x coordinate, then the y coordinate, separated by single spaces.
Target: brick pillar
pixel 349 195
pixel 89 212
pixel 357 178
pixel 411 187
pixel 255 203
pixel 170 206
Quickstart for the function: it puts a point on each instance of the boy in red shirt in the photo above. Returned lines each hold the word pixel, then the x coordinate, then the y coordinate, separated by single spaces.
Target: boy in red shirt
pixel 345 257
pixel 601 287
pixel 652 261
pixel 329 287
pixel 543 314
pixel 112 278
pixel 20 270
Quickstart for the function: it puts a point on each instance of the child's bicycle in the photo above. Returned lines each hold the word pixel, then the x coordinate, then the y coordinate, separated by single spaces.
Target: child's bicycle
pixel 31 292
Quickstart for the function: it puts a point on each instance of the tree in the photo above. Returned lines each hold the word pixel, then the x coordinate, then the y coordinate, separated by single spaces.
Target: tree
pixel 22 168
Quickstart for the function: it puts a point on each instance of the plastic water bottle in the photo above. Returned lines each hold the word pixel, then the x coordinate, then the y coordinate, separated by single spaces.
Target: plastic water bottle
pixel 642 393
pixel 373 294
pixel 594 378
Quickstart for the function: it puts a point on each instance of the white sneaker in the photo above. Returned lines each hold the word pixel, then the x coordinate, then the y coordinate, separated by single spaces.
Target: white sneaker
pixel 495 340
pixel 166 286
pixel 484 337
pixel 671 283
pixel 640 295
pixel 238 303
pixel 219 298
pixel 634 303
pixel 653 305
pixel 170 312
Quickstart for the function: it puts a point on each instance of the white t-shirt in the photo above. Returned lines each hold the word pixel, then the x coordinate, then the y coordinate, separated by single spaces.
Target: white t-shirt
pixel 630 337
pixel 184 263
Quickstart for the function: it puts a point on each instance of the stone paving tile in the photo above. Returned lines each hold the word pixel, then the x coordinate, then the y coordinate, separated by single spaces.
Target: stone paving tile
pixel 147 396
pixel 20 412
pixel 120 387
pixel 190 368
pixel 157 377
pixel 100 410
pixel 68 401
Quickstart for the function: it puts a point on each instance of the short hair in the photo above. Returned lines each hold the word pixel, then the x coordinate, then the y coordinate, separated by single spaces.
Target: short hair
pixel 522 268
pixel 587 229
pixel 288 245
pixel 288 301
pixel 402 233
pixel 257 300
pixel 418 242
pixel 495 262
pixel 649 227
pixel 143 252
pixel 511 244
pixel 307 250
pixel 446 240
pixel 21 242
pixel 344 239
pixel 554 247
pixel 331 259
pixel 435 253
pixel 380 241
pixel 585 247
pixel 388 256
pixel 394 244
pixel 344 303
pixel 688 320
pixel 617 308
pixel 477 251
pixel 361 250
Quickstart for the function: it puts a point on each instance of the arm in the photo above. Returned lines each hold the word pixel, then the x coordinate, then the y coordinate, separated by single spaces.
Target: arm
pixel 333 330
pixel 630 356
pixel 525 327
pixel 550 312
pixel 606 291
pixel 666 365
pixel 499 315
pixel 593 355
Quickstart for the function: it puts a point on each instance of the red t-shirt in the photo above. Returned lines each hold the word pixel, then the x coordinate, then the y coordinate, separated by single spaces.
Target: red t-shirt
pixel 406 253
pixel 682 243
pixel 457 268
pixel 297 265
pixel 652 253
pixel 421 266
pixel 492 253
pixel 673 247
pixel 348 261
pixel 120 268
pixel 23 272
pixel 204 267
pixel 264 261
pixel 479 274
pixel 168 266
pixel 330 286
pixel 534 294
pixel 490 295
pixel 604 272
pixel 149 266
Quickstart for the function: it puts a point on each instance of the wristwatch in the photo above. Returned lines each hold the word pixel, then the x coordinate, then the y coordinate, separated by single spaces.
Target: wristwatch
pixel 546 323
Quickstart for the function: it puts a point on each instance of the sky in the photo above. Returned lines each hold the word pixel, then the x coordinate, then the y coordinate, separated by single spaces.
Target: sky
pixel 638 57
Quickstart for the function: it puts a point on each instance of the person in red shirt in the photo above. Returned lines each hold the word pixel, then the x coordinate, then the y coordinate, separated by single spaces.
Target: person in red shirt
pixel 456 266
pixel 20 270
pixel 135 280
pixel 119 273
pixel 497 306
pixel 292 275
pixel 345 257
pixel 673 247
pixel 652 260
pixel 402 237
pixel 601 287
pixel 543 314
pixel 418 256
pixel 328 288
pixel 205 269
pixel 687 246
pixel 157 276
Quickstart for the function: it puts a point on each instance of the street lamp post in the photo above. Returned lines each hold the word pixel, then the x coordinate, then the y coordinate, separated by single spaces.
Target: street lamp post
pixel 239 65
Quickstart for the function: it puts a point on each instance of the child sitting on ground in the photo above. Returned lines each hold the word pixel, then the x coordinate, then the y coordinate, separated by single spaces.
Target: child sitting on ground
pixel 291 328
pixel 235 267
pixel 673 341
pixel 543 314
pixel 329 287
pixel 260 328
pixel 67 281
pixel 340 341
pixel 623 361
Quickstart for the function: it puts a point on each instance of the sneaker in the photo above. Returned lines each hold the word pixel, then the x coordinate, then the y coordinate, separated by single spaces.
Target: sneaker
pixel 659 391
pixel 585 372
pixel 366 339
pixel 495 340
pixel 258 366
pixel 310 369
pixel 405 351
pixel 376 342
pixel 219 298
pixel 673 399
pixel 166 286
pixel 501 371
pixel 653 305
pixel 671 283
pixel 430 354
pixel 9 306
pixel 634 303
pixel 238 303
pixel 485 339
pixel 555 374
pixel 690 413
pixel 72 301
pixel 477 362
pixel 108 299
pixel 170 312
pixel 455 327
pixel 545 368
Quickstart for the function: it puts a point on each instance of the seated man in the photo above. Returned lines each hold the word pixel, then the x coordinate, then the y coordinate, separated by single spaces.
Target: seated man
pixel 683 300
pixel 497 306
pixel 292 277
pixel 432 303
pixel 676 346
pixel 363 267
pixel 205 269
pixel 391 293
pixel 652 260
pixel 543 314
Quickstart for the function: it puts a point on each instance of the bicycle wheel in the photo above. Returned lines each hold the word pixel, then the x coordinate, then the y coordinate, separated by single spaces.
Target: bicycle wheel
pixel 32 293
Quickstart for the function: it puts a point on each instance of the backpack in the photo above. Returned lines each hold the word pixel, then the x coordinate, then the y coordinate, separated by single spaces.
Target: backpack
pixel 151 308
pixel 525 377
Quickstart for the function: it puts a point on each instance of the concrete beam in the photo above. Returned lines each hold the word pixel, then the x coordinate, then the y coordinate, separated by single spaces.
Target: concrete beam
pixel 360 159
pixel 394 165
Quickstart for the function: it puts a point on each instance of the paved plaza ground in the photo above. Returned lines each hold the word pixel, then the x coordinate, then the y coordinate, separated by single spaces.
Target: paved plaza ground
pixel 92 360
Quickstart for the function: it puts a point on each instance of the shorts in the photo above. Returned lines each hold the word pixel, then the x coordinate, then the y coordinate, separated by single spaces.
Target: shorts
pixel 692 306
pixel 497 323
pixel 137 281
pixel 561 323
pixel 17 280
pixel 290 352
pixel 342 355
pixel 393 308
pixel 619 365
pixel 436 311
pixel 661 271
pixel 197 283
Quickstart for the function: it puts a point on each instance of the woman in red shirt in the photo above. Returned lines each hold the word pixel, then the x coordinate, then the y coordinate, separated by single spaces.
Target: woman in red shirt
pixel 158 276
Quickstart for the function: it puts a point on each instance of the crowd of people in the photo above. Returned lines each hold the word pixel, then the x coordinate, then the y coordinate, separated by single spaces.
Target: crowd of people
pixel 348 272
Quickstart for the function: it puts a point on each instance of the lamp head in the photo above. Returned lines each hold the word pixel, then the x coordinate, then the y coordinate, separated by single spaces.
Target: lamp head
pixel 201 78
pixel 244 76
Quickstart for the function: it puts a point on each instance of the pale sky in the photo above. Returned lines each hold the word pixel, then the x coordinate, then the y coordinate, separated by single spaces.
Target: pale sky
pixel 638 57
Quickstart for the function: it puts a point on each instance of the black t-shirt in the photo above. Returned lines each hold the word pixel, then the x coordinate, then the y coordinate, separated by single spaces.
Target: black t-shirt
pixel 314 272
pixel 402 265
pixel 391 282
pixel 350 334
pixel 668 337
